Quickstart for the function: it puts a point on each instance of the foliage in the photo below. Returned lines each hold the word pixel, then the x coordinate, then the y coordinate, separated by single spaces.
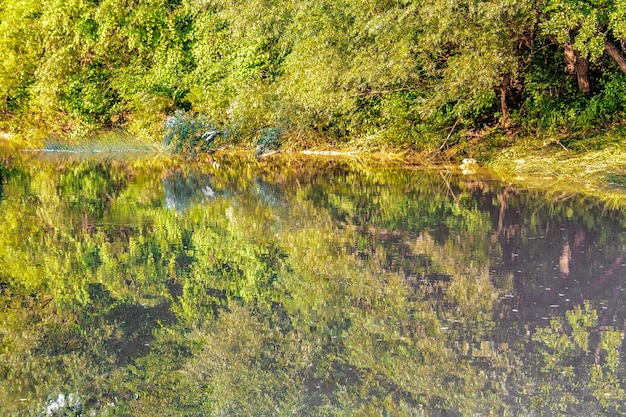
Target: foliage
pixel 188 133
pixel 585 24
pixel 269 140
pixel 387 71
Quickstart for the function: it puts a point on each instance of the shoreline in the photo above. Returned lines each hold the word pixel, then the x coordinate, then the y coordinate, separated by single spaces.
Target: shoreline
pixel 594 167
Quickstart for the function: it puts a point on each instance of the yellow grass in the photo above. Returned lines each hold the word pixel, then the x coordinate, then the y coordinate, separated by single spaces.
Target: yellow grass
pixel 599 172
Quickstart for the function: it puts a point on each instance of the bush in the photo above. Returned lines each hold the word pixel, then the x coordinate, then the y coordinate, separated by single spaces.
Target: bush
pixel 189 133
pixel 269 140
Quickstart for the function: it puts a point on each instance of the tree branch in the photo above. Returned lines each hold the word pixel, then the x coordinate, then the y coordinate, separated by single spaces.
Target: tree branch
pixel 615 53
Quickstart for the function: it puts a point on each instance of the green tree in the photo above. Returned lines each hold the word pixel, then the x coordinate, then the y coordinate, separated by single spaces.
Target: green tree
pixel 587 30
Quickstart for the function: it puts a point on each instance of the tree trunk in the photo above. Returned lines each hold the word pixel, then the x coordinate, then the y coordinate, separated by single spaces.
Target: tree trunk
pixel 582 74
pixel 616 54
pixel 570 59
pixel 506 80
pixel 578 66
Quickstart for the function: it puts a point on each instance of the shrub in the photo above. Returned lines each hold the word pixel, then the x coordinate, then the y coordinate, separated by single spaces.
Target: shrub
pixel 189 133
pixel 269 140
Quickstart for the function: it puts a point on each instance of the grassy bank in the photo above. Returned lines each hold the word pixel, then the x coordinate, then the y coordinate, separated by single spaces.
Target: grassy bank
pixel 562 165
pixel 585 166
pixel 592 166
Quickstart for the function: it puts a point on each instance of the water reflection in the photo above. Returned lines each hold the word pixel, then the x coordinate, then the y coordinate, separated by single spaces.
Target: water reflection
pixel 312 288
pixel 185 189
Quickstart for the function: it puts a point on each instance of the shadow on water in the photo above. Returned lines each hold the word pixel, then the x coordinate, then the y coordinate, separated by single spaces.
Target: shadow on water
pixel 322 288
pixel 135 323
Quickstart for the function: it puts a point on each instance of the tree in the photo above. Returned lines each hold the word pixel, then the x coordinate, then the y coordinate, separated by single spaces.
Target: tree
pixel 20 47
pixel 587 29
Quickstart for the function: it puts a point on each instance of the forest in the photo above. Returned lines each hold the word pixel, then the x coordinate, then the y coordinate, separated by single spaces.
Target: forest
pixel 413 74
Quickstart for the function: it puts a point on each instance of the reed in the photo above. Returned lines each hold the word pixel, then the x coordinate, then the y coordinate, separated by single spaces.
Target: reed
pixel 106 142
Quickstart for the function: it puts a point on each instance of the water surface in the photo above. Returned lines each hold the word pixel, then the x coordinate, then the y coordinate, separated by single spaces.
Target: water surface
pixel 313 287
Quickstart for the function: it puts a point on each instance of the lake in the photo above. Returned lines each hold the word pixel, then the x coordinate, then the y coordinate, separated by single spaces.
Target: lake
pixel 312 287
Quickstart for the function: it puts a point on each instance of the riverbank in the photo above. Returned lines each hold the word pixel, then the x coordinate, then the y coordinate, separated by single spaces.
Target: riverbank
pixel 583 165
pixel 564 166
pixel 593 167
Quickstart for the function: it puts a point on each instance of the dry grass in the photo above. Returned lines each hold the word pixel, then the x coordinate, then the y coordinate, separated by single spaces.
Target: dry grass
pixel 106 142
pixel 550 166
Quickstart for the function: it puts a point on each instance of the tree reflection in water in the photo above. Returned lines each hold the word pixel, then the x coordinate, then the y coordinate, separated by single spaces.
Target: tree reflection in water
pixel 309 287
